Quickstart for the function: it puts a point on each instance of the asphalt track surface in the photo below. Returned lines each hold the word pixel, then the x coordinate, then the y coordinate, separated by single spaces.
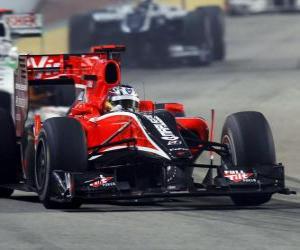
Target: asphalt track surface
pixel 261 73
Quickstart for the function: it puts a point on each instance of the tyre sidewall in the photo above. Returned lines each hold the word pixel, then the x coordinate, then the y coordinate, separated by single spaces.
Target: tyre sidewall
pixel 251 138
pixel 218 32
pixel 251 145
pixel 44 190
pixel 65 145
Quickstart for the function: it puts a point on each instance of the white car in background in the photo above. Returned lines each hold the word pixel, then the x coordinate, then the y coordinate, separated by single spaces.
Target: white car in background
pixel 8 63
pixel 242 7
pixel 13 26
pixel 56 101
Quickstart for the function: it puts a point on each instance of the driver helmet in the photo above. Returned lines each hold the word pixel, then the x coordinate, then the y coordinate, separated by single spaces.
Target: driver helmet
pixel 123 97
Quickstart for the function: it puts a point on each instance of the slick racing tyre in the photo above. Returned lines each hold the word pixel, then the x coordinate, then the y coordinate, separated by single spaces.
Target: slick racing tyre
pixel 250 142
pixel 5 101
pixel 28 151
pixel 61 146
pixel 80 33
pixel 198 30
pixel 217 23
pixel 8 152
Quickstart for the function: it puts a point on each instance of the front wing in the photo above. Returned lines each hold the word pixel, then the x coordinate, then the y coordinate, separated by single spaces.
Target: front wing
pixel 95 185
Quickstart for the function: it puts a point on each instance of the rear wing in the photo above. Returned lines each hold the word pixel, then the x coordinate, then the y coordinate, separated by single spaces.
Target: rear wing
pixel 81 70
pixel 108 48
pixel 24 25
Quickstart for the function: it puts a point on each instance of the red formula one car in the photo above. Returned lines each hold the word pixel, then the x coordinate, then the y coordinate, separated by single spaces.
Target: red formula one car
pixel 113 146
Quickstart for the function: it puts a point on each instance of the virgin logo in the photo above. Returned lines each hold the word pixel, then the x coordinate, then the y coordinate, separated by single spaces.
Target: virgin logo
pixel 42 62
pixel 103 181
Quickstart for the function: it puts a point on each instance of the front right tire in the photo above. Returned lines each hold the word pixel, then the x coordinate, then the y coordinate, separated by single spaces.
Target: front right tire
pixel 250 142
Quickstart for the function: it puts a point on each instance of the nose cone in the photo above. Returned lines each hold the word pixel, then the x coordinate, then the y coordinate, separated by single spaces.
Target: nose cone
pixel 162 127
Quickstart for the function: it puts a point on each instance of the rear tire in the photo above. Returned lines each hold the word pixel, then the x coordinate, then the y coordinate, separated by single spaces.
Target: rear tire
pixel 28 155
pixel 79 33
pixel 198 30
pixel 5 101
pixel 61 146
pixel 8 152
pixel 249 138
pixel 217 22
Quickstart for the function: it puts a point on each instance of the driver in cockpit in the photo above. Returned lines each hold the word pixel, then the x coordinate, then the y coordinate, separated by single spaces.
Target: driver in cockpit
pixel 122 98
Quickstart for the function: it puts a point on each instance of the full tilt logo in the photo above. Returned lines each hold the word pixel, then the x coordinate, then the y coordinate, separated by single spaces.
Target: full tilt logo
pixel 238 176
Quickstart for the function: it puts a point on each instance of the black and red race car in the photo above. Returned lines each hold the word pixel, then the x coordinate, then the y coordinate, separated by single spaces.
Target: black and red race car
pixel 96 153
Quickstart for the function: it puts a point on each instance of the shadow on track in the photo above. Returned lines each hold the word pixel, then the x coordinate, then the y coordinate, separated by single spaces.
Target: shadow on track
pixel 193 204
pixel 204 204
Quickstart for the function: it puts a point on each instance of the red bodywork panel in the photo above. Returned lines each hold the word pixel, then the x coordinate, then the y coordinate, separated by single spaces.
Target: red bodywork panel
pixel 76 70
pixel 99 129
pixel 196 125
pixel 95 74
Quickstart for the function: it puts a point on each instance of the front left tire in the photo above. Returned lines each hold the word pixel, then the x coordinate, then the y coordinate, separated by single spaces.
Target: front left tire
pixel 61 146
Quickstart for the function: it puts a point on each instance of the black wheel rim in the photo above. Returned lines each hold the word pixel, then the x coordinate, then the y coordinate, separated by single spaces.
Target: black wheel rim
pixel 232 157
pixel 41 166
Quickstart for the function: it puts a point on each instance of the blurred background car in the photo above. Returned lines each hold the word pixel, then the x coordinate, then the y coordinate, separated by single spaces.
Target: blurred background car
pixel 54 99
pixel 244 7
pixel 13 26
pixel 156 32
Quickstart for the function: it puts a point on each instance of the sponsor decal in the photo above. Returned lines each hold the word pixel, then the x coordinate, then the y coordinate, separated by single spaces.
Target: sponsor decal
pixel 102 181
pixel 23 21
pixel 42 62
pixel 24 24
pixel 178 149
pixel 21 87
pixel 162 128
pixel 174 143
pixel 180 152
pixel 238 176
pixel 21 102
